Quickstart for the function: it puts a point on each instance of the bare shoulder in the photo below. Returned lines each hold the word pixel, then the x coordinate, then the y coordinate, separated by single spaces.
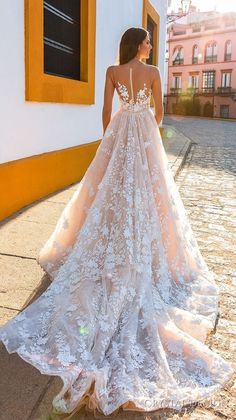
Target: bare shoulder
pixel 109 70
pixel 154 69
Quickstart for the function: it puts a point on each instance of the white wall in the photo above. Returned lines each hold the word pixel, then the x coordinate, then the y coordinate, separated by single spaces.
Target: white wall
pixel 30 128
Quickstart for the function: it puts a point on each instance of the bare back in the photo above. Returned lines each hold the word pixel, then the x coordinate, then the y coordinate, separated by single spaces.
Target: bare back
pixel 133 80
pixel 134 77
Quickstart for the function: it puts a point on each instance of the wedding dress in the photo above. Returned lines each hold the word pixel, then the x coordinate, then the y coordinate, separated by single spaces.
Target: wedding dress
pixel 131 300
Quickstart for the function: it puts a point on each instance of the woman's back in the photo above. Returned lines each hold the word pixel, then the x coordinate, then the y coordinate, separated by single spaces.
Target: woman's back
pixel 132 78
pixel 134 82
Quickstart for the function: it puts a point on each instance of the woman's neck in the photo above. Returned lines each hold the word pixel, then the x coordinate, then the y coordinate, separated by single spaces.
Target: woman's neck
pixel 135 60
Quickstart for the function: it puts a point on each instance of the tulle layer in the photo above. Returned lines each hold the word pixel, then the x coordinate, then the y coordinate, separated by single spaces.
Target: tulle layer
pixel 131 302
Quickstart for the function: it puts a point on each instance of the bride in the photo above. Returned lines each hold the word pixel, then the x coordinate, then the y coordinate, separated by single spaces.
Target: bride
pixel 131 300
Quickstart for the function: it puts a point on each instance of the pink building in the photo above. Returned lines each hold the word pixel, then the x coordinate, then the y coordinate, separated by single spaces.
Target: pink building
pixel 201 76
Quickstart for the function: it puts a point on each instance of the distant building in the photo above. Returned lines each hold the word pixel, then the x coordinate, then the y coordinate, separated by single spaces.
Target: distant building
pixel 201 73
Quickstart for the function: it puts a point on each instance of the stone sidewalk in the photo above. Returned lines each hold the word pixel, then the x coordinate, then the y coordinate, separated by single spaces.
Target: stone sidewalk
pixel 25 394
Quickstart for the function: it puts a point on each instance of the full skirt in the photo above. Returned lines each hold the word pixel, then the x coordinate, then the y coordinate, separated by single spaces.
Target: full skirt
pixel 131 300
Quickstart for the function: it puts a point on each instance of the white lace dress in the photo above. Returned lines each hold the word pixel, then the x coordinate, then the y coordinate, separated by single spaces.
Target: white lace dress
pixel 125 318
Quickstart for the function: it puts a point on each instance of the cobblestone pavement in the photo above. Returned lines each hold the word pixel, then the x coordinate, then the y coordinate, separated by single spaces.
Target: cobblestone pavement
pixel 205 131
pixel 207 185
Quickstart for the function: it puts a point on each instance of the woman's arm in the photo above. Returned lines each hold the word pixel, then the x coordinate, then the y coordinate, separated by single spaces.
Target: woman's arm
pixel 108 96
pixel 157 95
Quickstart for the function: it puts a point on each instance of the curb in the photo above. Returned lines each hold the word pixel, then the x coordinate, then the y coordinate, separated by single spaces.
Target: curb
pixel 181 152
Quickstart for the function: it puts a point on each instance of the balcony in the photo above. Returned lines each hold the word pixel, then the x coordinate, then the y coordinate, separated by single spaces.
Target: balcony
pixel 192 91
pixel 225 91
pixel 229 23
pixel 180 32
pixel 195 60
pixel 227 57
pixel 212 26
pixel 175 91
pixel 211 59
pixel 178 62
pixel 196 29
pixel 208 90
pixel 220 91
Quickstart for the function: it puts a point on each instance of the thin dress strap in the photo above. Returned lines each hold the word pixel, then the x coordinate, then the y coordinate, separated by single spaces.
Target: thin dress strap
pixel 113 76
pixel 131 83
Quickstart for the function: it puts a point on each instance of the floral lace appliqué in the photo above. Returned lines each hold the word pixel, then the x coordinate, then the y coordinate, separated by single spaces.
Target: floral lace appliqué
pixel 142 99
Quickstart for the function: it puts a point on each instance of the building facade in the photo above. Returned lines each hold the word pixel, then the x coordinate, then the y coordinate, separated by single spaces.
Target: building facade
pixel 201 74
pixel 54 56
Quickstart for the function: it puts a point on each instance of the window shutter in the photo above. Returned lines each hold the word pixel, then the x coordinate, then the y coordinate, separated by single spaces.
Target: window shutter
pixel 197 81
pixel 175 53
pixel 229 47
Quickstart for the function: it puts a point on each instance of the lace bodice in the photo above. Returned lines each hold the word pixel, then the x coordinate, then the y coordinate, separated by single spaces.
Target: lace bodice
pixel 143 97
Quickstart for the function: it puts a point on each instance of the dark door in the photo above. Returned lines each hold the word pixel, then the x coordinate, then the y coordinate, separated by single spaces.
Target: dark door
pixel 224 111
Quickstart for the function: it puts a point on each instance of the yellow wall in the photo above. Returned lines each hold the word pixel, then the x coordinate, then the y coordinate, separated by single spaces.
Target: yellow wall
pixel 26 180
pixel 29 179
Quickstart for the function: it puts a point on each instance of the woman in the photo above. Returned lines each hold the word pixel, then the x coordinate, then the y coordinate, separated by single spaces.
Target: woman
pixel 125 319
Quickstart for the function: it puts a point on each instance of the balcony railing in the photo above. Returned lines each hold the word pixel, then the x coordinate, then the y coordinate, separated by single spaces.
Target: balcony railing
pixel 192 90
pixel 178 61
pixel 210 58
pixel 175 91
pixel 207 90
pixel 196 29
pixel 210 27
pixel 225 91
pixel 227 57
pixel 176 33
pixel 194 60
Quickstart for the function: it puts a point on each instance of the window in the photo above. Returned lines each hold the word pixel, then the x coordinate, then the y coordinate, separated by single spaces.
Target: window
pixel 62 38
pixel 151 21
pixel 193 81
pixel 176 84
pixel 195 54
pixel 151 29
pixel 178 56
pixel 226 79
pixel 60 50
pixel 228 50
pixel 211 52
pixel 208 81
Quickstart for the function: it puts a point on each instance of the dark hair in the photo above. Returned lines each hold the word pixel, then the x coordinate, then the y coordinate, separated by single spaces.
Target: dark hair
pixel 129 43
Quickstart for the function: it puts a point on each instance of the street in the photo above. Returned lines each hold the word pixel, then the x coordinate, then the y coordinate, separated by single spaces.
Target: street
pixel 207 185
pixel 206 132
